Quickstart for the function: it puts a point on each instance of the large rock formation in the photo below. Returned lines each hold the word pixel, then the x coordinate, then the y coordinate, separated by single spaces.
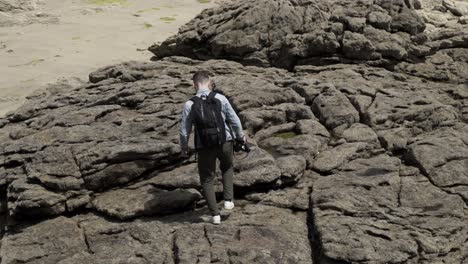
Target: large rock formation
pixel 350 162
pixel 287 33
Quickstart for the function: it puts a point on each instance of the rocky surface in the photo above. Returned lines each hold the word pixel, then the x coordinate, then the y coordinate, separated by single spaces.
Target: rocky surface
pixel 287 33
pixel 351 161
pixel 23 12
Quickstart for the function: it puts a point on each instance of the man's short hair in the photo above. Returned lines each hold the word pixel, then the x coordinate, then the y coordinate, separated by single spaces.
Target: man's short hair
pixel 201 77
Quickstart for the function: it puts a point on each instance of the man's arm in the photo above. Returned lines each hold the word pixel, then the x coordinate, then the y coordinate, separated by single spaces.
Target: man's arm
pixel 185 127
pixel 233 119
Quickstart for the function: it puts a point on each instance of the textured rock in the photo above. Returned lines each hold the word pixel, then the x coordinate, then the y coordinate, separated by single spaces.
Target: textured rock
pixel 334 109
pixel 333 158
pixel 47 242
pixel 295 197
pixel 259 233
pixel 125 163
pixel 351 162
pixel 448 169
pixel 110 141
pixel 147 200
pixel 303 32
pixel 370 208
pixel 247 240
pixel 458 8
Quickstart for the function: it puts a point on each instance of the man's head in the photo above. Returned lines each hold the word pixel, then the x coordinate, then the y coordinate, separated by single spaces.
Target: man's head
pixel 201 79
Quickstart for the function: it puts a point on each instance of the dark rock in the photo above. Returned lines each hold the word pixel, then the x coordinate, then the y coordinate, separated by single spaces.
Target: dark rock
pixel 458 8
pixel 447 169
pixel 258 233
pixel 292 166
pixel 259 168
pixel 55 168
pixel 359 151
pixel 381 211
pixel 335 157
pixel 146 200
pixel 360 133
pixel 181 177
pixel 295 197
pixel 46 242
pixel 356 46
pixel 303 31
pixel 28 200
pixel 334 109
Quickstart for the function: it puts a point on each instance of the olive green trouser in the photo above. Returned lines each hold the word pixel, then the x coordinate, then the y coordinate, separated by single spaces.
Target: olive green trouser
pixel 207 171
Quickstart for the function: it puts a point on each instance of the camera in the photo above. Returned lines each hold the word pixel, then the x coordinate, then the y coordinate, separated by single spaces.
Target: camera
pixel 241 145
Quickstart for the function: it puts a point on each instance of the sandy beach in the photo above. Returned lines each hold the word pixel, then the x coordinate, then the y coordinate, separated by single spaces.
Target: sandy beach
pixel 76 37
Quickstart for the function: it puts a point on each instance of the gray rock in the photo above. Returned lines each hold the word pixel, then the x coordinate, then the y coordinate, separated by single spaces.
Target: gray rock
pixel 295 197
pixel 46 242
pixel 333 158
pixel 247 239
pixel 27 200
pixel 379 19
pixel 360 133
pixel 446 65
pixel 447 168
pixel 126 204
pixel 292 166
pixel 304 31
pixel 258 168
pixel 381 213
pixel 289 143
pixel 458 8
pixel 356 46
pixel 406 21
pixel 395 139
pixel 369 123
pixel 55 168
pixel 181 177
pixel 334 109
pixel 257 233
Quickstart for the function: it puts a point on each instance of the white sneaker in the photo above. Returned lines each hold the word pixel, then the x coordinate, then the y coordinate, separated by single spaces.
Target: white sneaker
pixel 217 219
pixel 228 205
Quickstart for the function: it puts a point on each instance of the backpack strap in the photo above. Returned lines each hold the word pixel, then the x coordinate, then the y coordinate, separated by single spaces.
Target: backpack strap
pixel 212 95
pixel 194 98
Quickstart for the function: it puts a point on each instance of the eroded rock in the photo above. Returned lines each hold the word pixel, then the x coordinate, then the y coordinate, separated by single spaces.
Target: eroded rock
pixel 350 161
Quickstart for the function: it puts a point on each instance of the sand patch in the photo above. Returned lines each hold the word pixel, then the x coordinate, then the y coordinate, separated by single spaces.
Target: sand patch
pixel 66 38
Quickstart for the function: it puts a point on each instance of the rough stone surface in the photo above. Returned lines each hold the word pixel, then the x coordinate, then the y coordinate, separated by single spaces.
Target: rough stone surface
pixel 258 233
pixel 359 152
pixel 284 33
pixel 146 200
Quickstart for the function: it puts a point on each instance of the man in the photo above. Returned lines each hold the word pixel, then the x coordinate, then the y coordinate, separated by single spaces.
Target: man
pixel 219 141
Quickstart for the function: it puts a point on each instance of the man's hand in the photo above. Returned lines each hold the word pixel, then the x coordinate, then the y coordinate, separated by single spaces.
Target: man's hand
pixel 244 138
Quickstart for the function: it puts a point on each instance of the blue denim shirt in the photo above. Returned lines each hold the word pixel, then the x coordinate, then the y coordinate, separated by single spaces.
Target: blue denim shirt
pixel 228 113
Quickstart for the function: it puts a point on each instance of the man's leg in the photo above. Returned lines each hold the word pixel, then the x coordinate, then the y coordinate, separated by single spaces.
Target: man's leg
pixel 225 157
pixel 207 172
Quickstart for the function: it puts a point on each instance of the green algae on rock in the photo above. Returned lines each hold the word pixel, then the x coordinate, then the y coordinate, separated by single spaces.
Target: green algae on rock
pixel 286 135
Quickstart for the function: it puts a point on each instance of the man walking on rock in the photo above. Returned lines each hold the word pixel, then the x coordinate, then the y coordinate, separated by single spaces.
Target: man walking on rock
pixel 216 127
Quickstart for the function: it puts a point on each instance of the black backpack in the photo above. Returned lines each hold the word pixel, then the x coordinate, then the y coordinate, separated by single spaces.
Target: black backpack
pixel 209 123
